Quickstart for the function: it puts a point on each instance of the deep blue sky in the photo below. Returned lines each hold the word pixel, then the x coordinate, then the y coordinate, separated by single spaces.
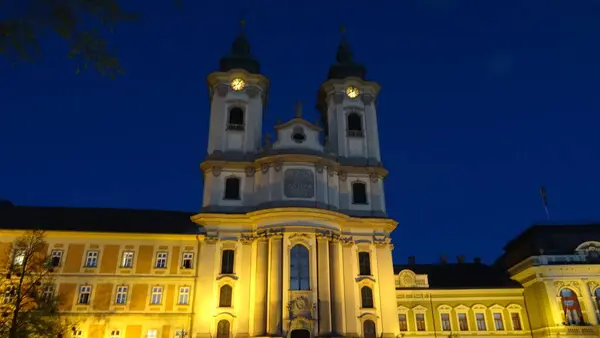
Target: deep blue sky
pixel 482 102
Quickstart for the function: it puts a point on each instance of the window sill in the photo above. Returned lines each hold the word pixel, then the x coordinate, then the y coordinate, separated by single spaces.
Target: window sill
pixel 231 199
pixel 360 203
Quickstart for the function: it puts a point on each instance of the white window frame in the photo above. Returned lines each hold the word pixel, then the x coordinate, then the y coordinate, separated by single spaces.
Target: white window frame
pixel 77 334
pixel 445 313
pixel 91 259
pixel 466 314
pixel 127 259
pixel 48 291
pixel 499 312
pixel 161 260
pixel 121 294
pixel 184 295
pixel 115 334
pixel 187 256
pixel 156 295
pixel 84 289
pixel 485 324
pixel 18 258
pixel 56 253
pixel 513 308
pixel 7 297
pixel 152 333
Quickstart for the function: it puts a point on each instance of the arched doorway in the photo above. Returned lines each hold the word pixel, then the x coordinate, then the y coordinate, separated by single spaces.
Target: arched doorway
pixel 300 334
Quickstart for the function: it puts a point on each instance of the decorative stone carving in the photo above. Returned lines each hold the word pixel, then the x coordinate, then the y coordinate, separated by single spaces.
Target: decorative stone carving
pixel 222 90
pixel 374 177
pixel 299 183
pixel 216 171
pixel 348 240
pixel 211 240
pixel 330 171
pixel 300 235
pixel 367 99
pixel 592 285
pixel 264 168
pixel 250 171
pixel 278 165
pixel 327 235
pixel 247 238
pixel 343 176
pixel 381 241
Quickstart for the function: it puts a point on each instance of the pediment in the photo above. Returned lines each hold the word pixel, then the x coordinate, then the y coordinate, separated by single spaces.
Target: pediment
pixel 444 307
pixel 419 308
pixel 514 307
pixel 479 307
pixel 496 307
pixel 461 307
pixel 403 308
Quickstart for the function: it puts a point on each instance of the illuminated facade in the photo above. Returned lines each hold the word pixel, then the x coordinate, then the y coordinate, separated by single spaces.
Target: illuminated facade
pixel 293 240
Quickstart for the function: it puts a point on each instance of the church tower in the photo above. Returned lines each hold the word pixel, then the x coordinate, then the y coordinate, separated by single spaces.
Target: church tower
pixel 238 95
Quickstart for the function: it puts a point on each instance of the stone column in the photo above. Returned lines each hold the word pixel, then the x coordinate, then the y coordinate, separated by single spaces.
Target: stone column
pixel 245 271
pixel 260 292
pixel 387 289
pixel 275 285
pixel 590 307
pixel 337 288
pixel 324 295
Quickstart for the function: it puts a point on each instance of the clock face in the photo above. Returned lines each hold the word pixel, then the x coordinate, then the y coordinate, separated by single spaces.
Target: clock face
pixel 238 84
pixel 352 92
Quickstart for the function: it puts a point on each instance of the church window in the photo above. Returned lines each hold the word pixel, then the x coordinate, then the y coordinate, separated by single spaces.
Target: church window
pixel 571 308
pixel 225 296
pixel 445 317
pixel 420 320
pixel 232 188
pixel 364 263
pixel 227 261
pixel 366 295
pixel 354 125
pixel 223 329
pixel 236 119
pixel 463 323
pixel 516 321
pixel 299 268
pixel 369 329
pixel 498 322
pixel 359 193
pixel 403 322
pixel 480 320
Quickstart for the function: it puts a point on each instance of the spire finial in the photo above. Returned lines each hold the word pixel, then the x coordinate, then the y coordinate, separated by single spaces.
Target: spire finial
pixel 299 109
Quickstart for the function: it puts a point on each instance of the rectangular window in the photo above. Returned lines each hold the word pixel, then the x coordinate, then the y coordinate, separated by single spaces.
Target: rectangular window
pixel 127 259
pixel 184 295
pixel 498 323
pixel 403 322
pixel 188 258
pixel 480 319
pixel 91 260
pixel 420 318
pixel 18 257
pixel 77 334
pixel 48 293
pixel 516 321
pixel 115 334
pixel 10 292
pixel 121 296
pixel 463 323
pixel 445 317
pixel 161 260
pixel 156 297
pixel 153 333
pixel 227 262
pixel 364 263
pixel 56 258
pixel 84 294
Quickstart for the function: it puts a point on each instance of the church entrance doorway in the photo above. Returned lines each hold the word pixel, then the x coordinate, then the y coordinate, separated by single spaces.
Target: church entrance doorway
pixel 300 334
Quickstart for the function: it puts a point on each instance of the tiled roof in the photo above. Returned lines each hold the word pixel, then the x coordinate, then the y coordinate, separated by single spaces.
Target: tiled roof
pixel 461 275
pixel 96 220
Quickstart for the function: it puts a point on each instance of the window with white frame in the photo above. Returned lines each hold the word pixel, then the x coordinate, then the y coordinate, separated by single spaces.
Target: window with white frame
pixel 77 334
pixel 10 292
pixel 156 297
pixel 161 260
pixel 516 321
pixel 121 294
pixel 445 319
pixel 463 322
pixel 115 334
pixel 91 259
pixel 184 295
pixel 187 260
pixel 48 292
pixel 85 292
pixel 127 259
pixel 420 321
pixel 480 320
pixel 403 322
pixel 56 258
pixel 152 333
pixel 18 257
pixel 498 322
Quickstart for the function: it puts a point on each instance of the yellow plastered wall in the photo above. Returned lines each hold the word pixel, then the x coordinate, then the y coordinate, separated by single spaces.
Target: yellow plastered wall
pixel 145 257
pixel 74 259
pixel 110 259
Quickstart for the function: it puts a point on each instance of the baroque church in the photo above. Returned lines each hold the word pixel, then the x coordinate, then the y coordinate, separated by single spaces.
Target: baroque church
pixel 293 240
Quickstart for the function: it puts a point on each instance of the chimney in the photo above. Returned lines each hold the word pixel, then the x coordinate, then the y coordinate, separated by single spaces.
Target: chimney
pixel 476 260
pixel 411 260
pixel 460 259
pixel 443 259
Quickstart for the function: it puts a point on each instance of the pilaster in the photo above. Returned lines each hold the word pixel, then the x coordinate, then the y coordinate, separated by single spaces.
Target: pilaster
pixel 260 291
pixel 207 299
pixel 275 285
pixel 387 288
pixel 245 251
pixel 336 267
pixel 324 295
pixel 590 307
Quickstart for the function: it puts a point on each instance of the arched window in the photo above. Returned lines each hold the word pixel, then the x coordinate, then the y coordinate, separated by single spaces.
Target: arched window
pixel 369 329
pixel 359 193
pixel 227 261
pixel 364 263
pixel 225 296
pixel 571 307
pixel 366 296
pixel 299 268
pixel 597 294
pixel 223 329
pixel 354 125
pixel 232 188
pixel 236 119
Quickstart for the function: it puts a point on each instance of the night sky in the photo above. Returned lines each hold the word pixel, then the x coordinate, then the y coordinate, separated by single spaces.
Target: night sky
pixel 481 103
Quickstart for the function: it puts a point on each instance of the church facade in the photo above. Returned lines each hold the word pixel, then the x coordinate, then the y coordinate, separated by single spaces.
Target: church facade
pixel 293 240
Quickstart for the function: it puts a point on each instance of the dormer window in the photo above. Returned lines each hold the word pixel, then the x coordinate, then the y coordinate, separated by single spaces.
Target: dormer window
pixel 236 119
pixel 359 193
pixel 355 128
pixel 298 135
pixel 232 188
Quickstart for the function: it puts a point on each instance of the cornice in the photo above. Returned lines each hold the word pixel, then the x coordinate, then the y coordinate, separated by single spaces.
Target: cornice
pixel 104 235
